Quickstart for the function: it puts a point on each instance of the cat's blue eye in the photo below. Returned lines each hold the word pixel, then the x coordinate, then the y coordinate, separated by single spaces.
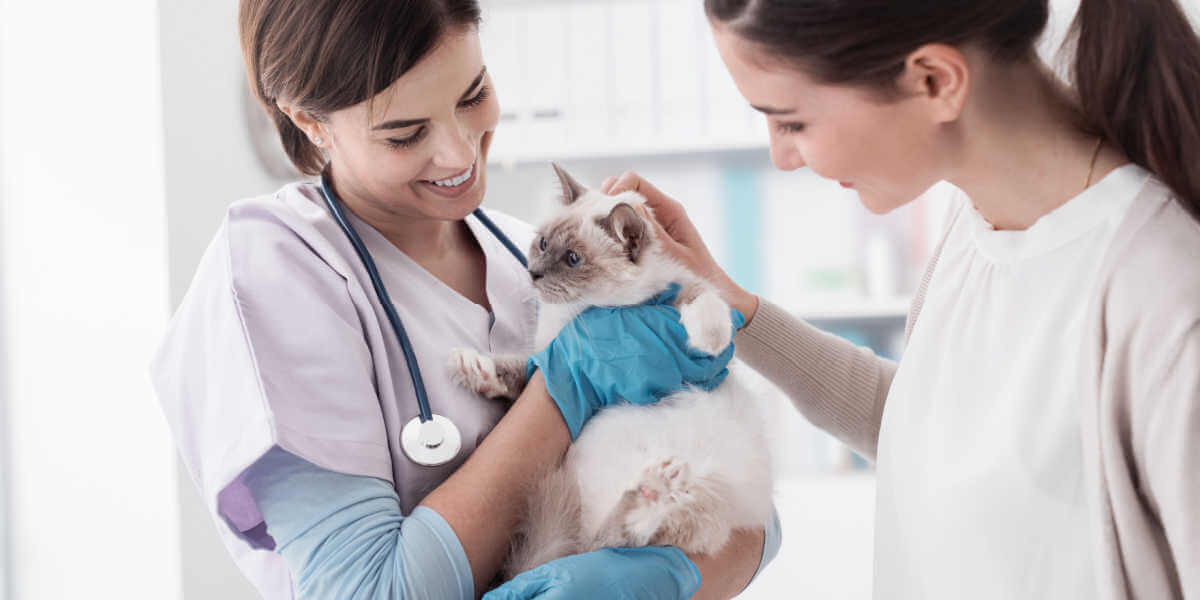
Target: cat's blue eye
pixel 542 244
pixel 573 258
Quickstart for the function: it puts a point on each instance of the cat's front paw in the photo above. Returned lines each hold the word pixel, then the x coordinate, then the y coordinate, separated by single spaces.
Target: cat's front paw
pixel 708 324
pixel 475 372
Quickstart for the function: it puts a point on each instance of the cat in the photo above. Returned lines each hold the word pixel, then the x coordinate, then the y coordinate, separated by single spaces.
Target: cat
pixel 686 471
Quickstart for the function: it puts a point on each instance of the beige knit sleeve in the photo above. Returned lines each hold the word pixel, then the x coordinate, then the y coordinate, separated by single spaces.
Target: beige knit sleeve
pixel 836 385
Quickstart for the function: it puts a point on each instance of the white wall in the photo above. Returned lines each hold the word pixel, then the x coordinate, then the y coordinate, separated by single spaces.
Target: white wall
pixel 209 163
pixel 93 502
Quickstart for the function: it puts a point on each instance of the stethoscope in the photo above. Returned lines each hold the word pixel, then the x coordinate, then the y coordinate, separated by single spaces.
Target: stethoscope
pixel 427 439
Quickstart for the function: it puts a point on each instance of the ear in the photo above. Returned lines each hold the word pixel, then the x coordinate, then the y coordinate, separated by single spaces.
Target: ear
pixel 626 226
pixel 571 189
pixel 940 74
pixel 304 120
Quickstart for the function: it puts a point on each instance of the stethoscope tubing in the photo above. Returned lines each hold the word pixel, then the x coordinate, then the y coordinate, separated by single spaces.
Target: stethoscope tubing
pixel 410 357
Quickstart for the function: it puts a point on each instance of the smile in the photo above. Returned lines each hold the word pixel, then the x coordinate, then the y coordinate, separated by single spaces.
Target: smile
pixel 455 181
pixel 454 187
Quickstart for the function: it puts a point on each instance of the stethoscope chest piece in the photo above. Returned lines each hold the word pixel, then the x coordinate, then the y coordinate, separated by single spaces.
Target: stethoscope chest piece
pixel 430 443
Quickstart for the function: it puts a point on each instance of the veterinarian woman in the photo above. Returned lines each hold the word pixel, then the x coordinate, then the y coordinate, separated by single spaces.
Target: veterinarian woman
pixel 1040 437
pixel 283 377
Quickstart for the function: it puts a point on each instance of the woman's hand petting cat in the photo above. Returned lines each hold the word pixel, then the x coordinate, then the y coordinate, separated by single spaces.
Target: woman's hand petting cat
pixel 681 240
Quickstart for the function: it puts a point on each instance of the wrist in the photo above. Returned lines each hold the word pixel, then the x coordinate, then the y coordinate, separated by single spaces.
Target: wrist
pixel 738 298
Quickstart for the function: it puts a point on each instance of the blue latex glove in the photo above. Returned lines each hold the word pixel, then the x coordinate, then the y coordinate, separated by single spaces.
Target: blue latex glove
pixel 648 573
pixel 634 353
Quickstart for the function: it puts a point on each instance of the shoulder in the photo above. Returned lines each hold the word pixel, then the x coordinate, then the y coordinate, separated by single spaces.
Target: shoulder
pixel 270 239
pixel 520 232
pixel 1150 281
pixel 1151 270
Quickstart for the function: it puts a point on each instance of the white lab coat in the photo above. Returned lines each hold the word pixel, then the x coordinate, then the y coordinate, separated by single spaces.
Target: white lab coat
pixel 281 340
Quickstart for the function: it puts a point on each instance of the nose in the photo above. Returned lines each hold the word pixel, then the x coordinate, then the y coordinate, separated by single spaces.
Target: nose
pixel 456 149
pixel 536 275
pixel 785 156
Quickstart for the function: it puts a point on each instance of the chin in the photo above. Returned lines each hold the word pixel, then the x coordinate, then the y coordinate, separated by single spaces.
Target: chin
pixel 878 205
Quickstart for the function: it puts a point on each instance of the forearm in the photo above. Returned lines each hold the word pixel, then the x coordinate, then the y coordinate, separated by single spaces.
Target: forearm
pixel 482 501
pixel 725 574
pixel 838 386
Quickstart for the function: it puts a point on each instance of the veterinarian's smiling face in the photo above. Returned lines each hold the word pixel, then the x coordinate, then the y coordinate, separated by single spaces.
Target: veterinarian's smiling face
pixel 418 149
pixel 881 149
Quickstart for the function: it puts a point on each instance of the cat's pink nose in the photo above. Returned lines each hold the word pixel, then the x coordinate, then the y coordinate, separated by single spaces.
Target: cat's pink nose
pixel 649 493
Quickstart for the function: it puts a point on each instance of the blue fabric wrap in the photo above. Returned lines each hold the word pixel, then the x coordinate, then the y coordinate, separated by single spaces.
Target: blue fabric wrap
pixel 636 354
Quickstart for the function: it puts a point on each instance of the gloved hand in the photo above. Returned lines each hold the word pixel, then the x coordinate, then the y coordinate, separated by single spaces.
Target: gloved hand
pixel 634 353
pixel 648 573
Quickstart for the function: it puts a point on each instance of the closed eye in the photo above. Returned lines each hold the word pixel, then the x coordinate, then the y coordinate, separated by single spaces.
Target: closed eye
pixel 477 99
pixel 472 102
pixel 397 143
pixel 789 127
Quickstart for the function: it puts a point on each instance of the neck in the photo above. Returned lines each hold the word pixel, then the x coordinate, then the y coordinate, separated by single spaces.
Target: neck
pixel 420 238
pixel 1020 152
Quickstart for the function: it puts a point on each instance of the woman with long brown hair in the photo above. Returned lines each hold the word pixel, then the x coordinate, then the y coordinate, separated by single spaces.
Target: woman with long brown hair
pixel 283 376
pixel 1040 437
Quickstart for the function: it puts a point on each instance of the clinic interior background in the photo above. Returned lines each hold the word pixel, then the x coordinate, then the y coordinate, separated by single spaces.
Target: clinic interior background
pixel 126 130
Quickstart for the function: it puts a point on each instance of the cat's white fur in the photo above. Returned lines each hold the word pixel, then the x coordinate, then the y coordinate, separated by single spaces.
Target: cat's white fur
pixel 686 471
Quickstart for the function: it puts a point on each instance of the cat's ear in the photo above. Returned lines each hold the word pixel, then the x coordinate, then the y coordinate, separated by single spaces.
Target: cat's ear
pixel 627 227
pixel 571 189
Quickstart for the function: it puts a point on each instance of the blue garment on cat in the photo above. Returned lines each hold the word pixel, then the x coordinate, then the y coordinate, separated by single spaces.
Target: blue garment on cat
pixel 637 354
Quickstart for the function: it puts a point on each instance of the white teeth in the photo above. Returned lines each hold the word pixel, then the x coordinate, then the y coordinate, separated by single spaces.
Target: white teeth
pixel 453 181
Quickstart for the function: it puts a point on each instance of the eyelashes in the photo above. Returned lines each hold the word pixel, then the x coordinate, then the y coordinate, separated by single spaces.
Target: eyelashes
pixel 408 141
pixel 478 99
pixel 785 128
pixel 472 102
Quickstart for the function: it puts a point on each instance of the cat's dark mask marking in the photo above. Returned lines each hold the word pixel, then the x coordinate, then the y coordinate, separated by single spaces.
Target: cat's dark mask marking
pixel 626 226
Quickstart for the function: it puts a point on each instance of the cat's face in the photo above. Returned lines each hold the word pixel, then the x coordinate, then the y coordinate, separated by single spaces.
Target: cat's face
pixel 588 250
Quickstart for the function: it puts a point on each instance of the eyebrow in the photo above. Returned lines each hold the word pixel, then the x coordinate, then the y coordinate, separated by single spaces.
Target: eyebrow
pixel 767 110
pixel 402 123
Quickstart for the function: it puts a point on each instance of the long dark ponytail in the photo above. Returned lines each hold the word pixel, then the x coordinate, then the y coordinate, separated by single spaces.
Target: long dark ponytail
pixel 1137 61
pixel 1137 70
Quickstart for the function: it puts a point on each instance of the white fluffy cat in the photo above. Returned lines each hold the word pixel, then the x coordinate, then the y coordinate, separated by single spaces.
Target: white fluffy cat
pixel 686 471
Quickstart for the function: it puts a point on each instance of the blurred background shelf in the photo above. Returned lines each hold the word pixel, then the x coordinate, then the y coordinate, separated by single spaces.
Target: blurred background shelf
pixel 882 309
pixel 508 155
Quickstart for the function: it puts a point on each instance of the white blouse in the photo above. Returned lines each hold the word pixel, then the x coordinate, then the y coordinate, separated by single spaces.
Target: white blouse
pixel 979 459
